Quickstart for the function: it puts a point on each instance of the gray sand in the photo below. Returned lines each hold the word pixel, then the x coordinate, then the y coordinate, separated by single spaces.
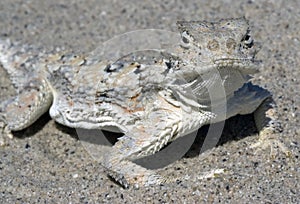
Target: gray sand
pixel 47 163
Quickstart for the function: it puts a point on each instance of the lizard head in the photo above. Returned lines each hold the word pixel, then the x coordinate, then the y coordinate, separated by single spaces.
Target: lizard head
pixel 223 44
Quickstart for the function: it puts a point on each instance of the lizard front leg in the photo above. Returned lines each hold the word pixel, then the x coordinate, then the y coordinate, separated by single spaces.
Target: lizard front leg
pixel 142 139
pixel 269 128
pixel 147 137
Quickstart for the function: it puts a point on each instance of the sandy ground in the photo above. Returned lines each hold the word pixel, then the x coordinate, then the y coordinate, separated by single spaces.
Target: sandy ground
pixel 48 164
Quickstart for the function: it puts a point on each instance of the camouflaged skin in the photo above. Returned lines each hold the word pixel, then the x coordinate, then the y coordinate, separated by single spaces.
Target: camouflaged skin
pixel 153 97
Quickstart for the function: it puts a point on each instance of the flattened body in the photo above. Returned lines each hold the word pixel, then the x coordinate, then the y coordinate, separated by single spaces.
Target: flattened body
pixel 151 96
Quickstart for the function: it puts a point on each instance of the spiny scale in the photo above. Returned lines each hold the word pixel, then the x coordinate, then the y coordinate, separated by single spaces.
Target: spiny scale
pixel 153 97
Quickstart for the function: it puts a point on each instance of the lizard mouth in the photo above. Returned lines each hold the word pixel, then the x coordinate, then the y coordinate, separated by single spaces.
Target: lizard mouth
pixel 245 65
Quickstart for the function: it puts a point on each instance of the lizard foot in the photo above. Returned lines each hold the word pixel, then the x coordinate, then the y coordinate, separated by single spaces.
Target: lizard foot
pixel 132 175
pixel 268 139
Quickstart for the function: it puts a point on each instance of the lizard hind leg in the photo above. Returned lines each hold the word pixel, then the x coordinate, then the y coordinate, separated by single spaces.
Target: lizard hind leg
pixel 33 100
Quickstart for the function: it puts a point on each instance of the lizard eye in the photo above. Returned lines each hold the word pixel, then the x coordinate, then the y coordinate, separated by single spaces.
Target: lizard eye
pixel 186 39
pixel 248 41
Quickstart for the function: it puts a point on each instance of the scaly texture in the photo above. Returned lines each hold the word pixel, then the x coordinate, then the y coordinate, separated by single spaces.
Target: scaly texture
pixel 152 96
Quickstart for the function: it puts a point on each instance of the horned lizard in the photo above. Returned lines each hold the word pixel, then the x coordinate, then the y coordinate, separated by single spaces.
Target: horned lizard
pixel 153 97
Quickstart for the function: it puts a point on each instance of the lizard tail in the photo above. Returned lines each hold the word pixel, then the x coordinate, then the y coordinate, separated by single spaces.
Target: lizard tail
pixel 18 61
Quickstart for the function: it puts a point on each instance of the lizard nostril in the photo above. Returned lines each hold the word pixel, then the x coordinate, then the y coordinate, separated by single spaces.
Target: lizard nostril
pixel 230 44
pixel 213 45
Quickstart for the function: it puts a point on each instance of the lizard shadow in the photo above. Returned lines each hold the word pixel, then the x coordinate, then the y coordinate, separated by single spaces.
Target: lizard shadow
pixel 34 128
pixel 235 128
pixel 96 142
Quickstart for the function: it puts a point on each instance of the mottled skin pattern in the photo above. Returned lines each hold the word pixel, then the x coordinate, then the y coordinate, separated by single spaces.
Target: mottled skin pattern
pixel 153 97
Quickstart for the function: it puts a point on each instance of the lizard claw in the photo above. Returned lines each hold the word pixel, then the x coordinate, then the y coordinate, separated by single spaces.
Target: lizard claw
pixel 137 181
